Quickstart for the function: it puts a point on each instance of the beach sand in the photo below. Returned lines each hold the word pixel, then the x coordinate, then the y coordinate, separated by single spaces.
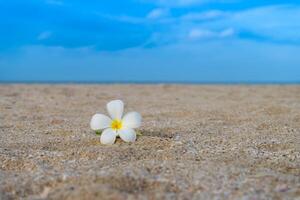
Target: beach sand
pixel 199 142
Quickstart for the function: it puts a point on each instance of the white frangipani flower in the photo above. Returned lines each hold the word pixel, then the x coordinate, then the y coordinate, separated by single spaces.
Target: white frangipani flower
pixel 116 124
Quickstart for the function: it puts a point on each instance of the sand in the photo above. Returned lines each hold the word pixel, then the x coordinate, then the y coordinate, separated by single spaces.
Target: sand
pixel 199 142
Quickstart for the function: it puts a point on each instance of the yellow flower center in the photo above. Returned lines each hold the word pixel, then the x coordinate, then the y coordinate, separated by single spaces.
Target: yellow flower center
pixel 116 124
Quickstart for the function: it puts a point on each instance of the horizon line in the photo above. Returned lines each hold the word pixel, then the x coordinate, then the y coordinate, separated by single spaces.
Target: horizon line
pixel 158 82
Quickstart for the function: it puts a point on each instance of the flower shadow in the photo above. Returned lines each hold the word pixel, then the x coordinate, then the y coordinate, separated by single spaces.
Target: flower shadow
pixel 156 133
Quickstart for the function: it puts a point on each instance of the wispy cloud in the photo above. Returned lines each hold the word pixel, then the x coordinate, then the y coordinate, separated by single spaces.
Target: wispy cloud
pixel 262 22
pixel 154 25
pixel 125 18
pixel 196 40
pixel 185 3
pixel 206 15
pixel 180 2
pixel 44 35
pixel 204 33
pixel 55 2
pixel 235 60
pixel 227 32
pixel 274 22
pixel 157 13
pixel 173 2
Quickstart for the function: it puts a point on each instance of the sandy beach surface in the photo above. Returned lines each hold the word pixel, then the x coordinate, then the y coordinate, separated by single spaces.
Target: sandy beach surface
pixel 198 142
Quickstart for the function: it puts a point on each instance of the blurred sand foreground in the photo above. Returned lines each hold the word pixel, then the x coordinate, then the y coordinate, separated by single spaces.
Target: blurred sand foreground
pixel 199 142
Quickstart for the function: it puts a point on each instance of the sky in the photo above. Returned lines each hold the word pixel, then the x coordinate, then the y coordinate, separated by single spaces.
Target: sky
pixel 150 41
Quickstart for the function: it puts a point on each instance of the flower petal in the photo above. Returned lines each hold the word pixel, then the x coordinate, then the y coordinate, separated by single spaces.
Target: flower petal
pixel 108 136
pixel 115 109
pixel 128 135
pixel 132 120
pixel 99 122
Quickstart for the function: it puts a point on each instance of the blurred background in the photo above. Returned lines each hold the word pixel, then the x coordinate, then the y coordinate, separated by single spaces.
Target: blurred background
pixel 183 41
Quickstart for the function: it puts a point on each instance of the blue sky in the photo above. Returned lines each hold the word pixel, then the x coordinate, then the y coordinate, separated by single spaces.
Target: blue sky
pixel 148 40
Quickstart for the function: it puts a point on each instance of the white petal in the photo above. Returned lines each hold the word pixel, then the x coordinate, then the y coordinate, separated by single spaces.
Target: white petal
pixel 128 135
pixel 99 122
pixel 115 109
pixel 132 120
pixel 108 136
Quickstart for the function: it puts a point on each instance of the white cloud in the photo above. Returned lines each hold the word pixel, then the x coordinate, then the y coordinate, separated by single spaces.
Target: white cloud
pixel 129 19
pixel 273 23
pixel 225 60
pixel 277 22
pixel 200 33
pixel 204 33
pixel 184 3
pixel 227 32
pixel 55 2
pixel 157 13
pixel 208 15
pixel 175 2
pixel 188 2
pixel 123 18
pixel 44 35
